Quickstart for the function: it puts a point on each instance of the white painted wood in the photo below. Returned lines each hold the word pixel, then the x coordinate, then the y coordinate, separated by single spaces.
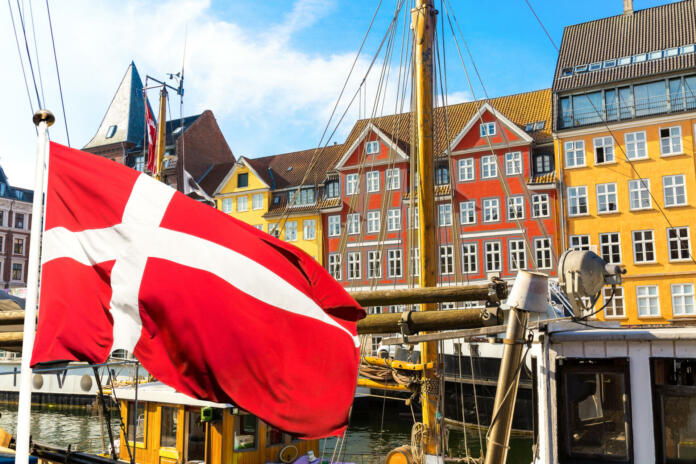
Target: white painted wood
pixel 595 349
pixel 641 403
pixel 662 349
pixel 616 349
pixel 573 350
pixel 685 348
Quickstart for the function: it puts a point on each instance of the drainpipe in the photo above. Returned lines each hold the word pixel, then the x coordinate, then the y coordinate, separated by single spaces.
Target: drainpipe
pixel 628 7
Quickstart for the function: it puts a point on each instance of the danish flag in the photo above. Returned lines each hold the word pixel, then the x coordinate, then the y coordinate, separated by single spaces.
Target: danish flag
pixel 151 140
pixel 209 305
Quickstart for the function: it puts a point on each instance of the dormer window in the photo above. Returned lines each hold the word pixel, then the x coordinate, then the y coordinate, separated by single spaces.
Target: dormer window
pixel 487 129
pixel 242 180
pixel 372 148
pixel 111 131
pixel 595 66
pixel 331 189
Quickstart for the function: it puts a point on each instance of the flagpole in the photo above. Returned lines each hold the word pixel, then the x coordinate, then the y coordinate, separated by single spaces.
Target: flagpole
pixel 42 119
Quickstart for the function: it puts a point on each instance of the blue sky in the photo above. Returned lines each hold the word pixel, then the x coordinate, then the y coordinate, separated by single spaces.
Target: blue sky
pixel 270 71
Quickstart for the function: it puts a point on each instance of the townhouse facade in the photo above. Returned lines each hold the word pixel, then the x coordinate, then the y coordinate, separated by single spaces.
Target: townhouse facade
pixel 624 125
pixel 15 227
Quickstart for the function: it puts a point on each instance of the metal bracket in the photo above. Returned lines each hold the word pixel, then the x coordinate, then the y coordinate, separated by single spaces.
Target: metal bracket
pixel 405 326
pixel 493 299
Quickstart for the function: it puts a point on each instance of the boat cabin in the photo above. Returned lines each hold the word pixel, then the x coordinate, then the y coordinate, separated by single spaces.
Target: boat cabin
pixel 168 427
pixel 613 394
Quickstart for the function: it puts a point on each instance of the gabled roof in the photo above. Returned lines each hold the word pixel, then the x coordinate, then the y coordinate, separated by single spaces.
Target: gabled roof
pixel 13 193
pixel 213 177
pixel 521 109
pixel 126 112
pixel 175 127
pixel 652 29
pixel 388 139
pixel 476 117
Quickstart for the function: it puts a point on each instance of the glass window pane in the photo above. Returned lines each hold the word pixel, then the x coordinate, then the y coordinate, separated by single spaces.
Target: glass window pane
pixel 170 417
pixel 245 429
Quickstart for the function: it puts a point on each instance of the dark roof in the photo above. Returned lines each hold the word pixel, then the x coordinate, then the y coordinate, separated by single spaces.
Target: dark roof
pixel 644 31
pixel 289 169
pixel 174 127
pixel 13 193
pixel 211 179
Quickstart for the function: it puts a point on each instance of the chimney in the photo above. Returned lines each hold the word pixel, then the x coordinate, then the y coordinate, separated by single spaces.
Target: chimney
pixel 628 7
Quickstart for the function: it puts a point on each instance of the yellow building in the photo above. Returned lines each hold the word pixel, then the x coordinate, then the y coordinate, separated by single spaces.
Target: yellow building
pixel 624 137
pixel 281 195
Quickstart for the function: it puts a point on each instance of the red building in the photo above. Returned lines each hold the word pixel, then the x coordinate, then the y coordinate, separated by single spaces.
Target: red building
pixel 495 191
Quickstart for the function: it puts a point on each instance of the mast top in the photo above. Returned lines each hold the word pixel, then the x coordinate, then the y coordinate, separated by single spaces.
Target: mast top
pixel 43 115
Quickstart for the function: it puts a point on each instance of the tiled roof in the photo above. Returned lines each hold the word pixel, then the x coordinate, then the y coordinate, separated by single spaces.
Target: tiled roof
pixel 174 127
pixel 521 109
pixel 644 31
pixel 440 190
pixel 289 169
pixel 547 178
pixel 211 179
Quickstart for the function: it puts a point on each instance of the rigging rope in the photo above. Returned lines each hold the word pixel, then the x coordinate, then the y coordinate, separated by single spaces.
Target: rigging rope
pixel 21 62
pixel 60 86
pixel 26 45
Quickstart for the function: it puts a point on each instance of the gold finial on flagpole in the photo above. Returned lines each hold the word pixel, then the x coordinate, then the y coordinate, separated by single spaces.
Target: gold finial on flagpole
pixel 43 115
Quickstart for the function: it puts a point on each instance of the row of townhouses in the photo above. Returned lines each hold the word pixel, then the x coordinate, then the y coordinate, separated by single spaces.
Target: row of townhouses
pixel 603 161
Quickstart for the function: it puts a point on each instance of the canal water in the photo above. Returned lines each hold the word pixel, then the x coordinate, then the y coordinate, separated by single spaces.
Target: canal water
pixel 373 432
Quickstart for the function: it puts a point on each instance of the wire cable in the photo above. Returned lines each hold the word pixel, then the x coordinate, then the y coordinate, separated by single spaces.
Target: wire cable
pixel 26 44
pixel 21 62
pixel 60 86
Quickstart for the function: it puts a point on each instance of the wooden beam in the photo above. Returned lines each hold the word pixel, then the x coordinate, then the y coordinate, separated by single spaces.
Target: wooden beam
pixel 428 321
pixel 495 290
pixel 383 386
pixel 11 317
pixel 396 364
pixel 11 340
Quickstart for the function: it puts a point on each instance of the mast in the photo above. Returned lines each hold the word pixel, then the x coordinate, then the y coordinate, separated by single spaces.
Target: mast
pixel 423 23
pixel 161 133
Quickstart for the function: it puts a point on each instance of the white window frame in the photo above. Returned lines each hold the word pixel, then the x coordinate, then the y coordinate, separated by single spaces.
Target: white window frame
pixel 650 297
pixel 605 143
pixel 273 229
pixel 227 205
pixel 372 147
pixel 678 241
pixel 353 223
pixel 394 219
pixel 373 222
pixel 352 184
pixel 605 194
pixel 257 201
pixel 334 224
pixel 574 154
pixel 643 241
pixel 513 163
pixel 492 205
pixel 611 243
pixel 489 167
pixel 610 311
pixel 415 261
pixel 242 206
pixel 24 242
pixel 466 169
pixel 392 179
pixel 575 194
pixel 579 242
pixel 12 263
pixel 681 291
pixel 291 231
pixel 374 264
pixel 518 254
pixel 637 146
pixel 675 144
pixel 354 269
pixel 372 181
pixel 335 268
pixel 674 187
pixel 496 248
pixel 309 229
pixel 444 214
pixel 641 189
pixel 394 263
pixel 469 251
pixel 446 258
pixel 467 212
pixel 515 205
pixel 543 253
pixel 541 202
pixel 487 129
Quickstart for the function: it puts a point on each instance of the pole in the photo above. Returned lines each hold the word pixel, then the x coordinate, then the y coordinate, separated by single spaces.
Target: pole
pixel 42 119
pixel 423 23
pixel 419 321
pixel 492 292
pixel 105 411
pixel 161 133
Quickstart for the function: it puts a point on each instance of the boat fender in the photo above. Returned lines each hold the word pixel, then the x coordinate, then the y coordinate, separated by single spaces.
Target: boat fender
pixel 86 383
pixel 37 381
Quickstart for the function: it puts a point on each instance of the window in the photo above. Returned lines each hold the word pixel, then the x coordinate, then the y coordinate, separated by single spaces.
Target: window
pixel 242 204
pixel 577 201
pixel 493 255
pixel 273 229
pixel 679 244
pixel 309 227
pixel 17 272
pixel 469 258
pixel 543 163
pixel 541 206
pixel 351 184
pixel 636 146
pixel 643 246
pixel 467 212
pixel 394 263
pixel 674 189
pixel 2 248
pixel 243 180
pixel 331 189
pixel 374 264
pixel 542 249
pixel 594 410
pixel 489 169
pixel 335 265
pixel 579 242
pixel 604 150
pixel 372 181
pixel 353 223
pixel 683 299
pixel 373 222
pixel 393 179
pixel 442 175
pixel 648 300
pixel 19 221
pixel 245 432
pixel 610 247
pixel 393 219
pixel 169 425
pixel 111 131
pixel 354 265
pixel 491 209
pixel 372 148
pixel 334 226
pixel 513 163
pixel 575 154
pixel 415 261
pixel 304 197
pixel 487 129
pixel 291 231
pixel 18 247
pixel 466 169
pixel 670 141
pixel 615 307
pixel 134 418
pixel 274 436
pixel 607 199
pixel 139 163
pixel 257 201
pixel 518 255
pixel 446 259
pixel 639 194
pixel 515 207
pixel 445 214
pixel 2 218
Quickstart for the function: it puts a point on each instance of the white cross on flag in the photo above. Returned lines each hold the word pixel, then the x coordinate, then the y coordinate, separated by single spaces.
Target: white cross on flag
pixel 209 305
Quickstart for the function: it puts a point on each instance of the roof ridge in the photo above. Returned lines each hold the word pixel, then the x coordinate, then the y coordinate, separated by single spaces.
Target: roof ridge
pixel 642 10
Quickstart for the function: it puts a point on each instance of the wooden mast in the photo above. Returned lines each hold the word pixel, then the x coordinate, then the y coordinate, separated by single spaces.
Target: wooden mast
pixel 161 133
pixel 423 23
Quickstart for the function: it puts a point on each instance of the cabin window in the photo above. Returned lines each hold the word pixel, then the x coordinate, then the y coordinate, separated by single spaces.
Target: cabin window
pixel 274 436
pixel 245 431
pixel 170 417
pixel 674 406
pixel 195 444
pixel 594 407
pixel 137 422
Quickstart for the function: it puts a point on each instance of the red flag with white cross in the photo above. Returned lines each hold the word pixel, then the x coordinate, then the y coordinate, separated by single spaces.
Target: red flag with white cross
pixel 209 305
